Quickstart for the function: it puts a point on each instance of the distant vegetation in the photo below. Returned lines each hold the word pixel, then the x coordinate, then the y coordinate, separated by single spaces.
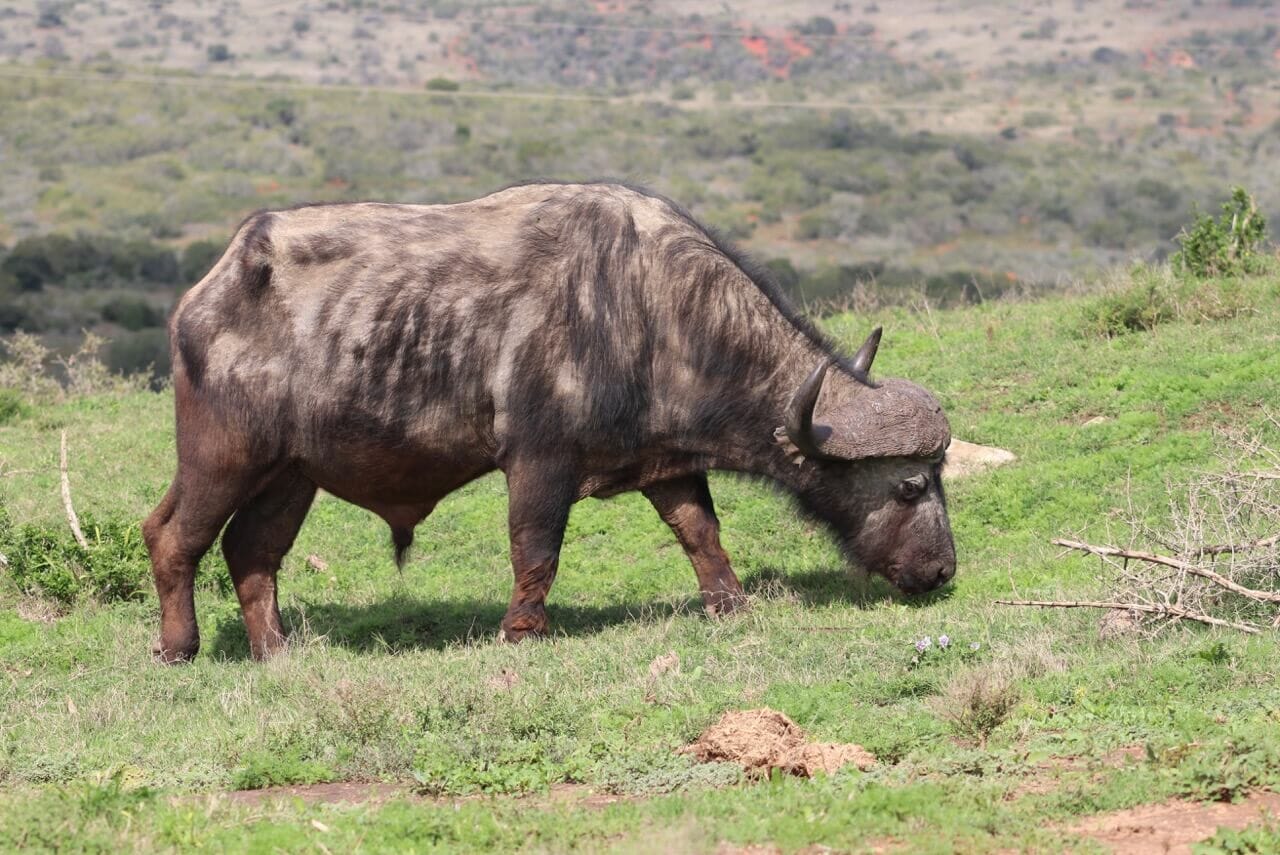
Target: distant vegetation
pixel 953 172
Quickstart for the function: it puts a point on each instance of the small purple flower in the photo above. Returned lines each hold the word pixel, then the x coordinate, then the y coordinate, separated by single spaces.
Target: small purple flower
pixel 944 642
pixel 924 644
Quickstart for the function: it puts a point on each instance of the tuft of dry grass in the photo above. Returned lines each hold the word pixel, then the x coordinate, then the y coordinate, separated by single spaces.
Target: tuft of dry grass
pixel 975 702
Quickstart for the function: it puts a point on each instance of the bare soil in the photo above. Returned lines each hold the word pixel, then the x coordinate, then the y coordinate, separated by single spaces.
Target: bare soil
pixel 1174 826
pixel 372 792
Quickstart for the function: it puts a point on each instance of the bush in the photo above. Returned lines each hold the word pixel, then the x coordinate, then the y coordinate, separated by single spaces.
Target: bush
pixel 443 84
pixel 12 406
pixel 1260 838
pixel 31 369
pixel 27 265
pixel 85 261
pixel 49 563
pixel 140 354
pixel 975 703
pixel 1138 308
pixel 132 313
pixel 1228 246
pixel 197 260
pixel 279 768
pixel 1228 768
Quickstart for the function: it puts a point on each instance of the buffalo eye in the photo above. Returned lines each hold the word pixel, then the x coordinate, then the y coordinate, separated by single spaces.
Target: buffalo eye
pixel 912 488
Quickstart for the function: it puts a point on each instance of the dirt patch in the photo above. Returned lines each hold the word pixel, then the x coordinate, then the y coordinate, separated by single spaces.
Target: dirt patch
pixel 1175 825
pixel 1046 775
pixel 762 740
pixel 372 792
pixel 338 792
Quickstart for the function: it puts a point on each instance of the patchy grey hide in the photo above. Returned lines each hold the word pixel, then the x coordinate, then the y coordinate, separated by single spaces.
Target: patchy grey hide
pixel 586 339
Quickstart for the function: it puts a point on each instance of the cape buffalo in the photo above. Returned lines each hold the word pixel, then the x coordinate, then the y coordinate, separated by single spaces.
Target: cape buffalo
pixel 586 339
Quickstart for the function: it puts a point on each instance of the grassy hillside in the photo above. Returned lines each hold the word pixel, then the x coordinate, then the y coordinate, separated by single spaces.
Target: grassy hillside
pixel 945 151
pixel 395 677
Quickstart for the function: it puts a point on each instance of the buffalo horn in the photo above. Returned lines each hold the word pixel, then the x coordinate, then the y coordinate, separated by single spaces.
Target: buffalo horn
pixel 867 353
pixel 800 411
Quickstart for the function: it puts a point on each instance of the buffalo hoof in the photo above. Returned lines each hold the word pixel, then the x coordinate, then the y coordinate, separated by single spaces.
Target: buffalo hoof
pixel 174 654
pixel 724 603
pixel 512 636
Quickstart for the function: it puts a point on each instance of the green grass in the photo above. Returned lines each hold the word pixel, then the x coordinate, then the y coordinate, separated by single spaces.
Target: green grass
pixel 397 676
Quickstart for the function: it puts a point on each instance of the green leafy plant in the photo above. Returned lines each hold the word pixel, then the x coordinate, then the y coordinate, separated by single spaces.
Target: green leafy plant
pixel 1227 769
pixel 47 562
pixel 278 769
pixel 1260 839
pixel 1229 245
pixel 12 406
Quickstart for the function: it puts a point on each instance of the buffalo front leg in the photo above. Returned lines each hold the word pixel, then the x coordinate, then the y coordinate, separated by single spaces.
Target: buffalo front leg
pixel 539 496
pixel 685 505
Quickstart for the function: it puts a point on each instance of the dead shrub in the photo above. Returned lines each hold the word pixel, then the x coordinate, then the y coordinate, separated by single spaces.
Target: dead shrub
pixel 33 370
pixel 974 703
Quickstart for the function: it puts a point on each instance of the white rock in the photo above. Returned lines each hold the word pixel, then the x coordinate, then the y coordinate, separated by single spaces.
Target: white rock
pixel 967 458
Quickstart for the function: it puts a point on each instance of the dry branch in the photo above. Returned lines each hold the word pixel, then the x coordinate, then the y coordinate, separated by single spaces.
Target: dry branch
pixel 1166 611
pixel 72 519
pixel 1177 564
pixel 1232 548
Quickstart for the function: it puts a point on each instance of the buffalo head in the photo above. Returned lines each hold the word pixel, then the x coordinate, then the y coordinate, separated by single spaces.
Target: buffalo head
pixel 872 456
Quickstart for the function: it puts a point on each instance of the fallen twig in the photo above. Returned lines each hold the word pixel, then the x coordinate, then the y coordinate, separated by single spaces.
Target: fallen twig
pixel 66 498
pixel 1223 548
pixel 1176 564
pixel 1167 611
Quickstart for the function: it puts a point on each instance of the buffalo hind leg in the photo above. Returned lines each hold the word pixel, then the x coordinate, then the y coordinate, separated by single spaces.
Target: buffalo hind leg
pixel 685 505
pixel 178 533
pixel 540 494
pixel 255 544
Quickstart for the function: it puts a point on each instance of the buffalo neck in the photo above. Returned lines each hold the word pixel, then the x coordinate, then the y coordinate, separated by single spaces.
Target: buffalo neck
pixel 741 438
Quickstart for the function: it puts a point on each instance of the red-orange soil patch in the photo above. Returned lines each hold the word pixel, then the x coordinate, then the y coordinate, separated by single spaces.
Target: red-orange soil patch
pixel 1174 826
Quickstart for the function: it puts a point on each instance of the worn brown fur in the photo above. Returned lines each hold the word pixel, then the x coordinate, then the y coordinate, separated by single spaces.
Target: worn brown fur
pixel 587 340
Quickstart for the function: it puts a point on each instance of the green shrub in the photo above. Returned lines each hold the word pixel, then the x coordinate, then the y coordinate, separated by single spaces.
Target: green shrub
pixel 47 562
pixel 1140 307
pixel 50 563
pixel 1228 768
pixel 443 84
pixel 141 353
pixel 1230 245
pixel 279 769
pixel 11 406
pixel 197 260
pixel 1260 839
pixel 132 313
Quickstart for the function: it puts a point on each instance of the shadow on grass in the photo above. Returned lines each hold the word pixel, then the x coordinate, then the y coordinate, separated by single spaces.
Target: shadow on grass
pixel 825 586
pixel 399 624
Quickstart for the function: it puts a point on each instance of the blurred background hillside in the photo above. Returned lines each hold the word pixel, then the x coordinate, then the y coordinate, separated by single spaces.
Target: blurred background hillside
pixel 946 151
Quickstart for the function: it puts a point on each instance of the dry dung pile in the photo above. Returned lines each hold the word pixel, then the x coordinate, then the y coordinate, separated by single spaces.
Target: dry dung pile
pixel 763 740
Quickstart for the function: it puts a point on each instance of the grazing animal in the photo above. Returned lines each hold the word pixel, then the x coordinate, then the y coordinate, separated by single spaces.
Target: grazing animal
pixel 586 339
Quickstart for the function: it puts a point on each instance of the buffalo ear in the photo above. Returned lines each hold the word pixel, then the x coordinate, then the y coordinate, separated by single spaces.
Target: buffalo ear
pixel 867 353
